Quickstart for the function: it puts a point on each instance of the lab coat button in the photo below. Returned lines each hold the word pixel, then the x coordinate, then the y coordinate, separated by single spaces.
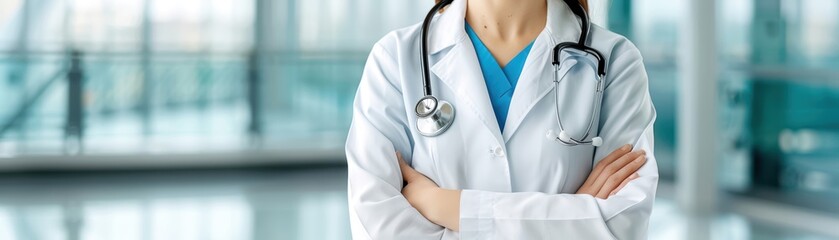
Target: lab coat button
pixel 499 152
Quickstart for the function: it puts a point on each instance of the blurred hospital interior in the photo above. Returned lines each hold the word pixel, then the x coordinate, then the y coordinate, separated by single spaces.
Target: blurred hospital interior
pixel 227 119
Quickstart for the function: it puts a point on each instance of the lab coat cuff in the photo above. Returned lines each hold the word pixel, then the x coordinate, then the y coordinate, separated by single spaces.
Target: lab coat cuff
pixel 476 214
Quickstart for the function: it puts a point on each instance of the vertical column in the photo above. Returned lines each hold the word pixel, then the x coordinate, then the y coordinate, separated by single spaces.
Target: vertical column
pixel 74 129
pixel 697 114
pixel 256 61
pixel 145 64
pixel 254 106
pixel 768 41
pixel 269 90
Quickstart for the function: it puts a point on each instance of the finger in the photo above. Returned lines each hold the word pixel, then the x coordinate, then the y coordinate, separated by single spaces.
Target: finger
pixel 614 167
pixel 612 157
pixel 408 173
pixel 614 181
pixel 591 186
pixel 623 150
pixel 623 184
pixel 621 175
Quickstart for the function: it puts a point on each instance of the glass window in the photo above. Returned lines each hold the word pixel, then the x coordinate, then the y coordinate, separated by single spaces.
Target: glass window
pixel 175 76
pixel 654 30
pixel 309 85
pixel 778 95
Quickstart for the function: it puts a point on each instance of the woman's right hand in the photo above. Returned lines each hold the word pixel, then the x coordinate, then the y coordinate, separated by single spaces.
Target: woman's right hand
pixel 613 172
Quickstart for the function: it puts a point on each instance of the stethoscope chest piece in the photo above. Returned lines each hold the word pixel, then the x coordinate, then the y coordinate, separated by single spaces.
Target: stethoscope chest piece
pixel 434 117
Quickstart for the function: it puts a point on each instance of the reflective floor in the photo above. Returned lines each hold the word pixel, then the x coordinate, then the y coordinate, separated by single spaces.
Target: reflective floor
pixel 299 203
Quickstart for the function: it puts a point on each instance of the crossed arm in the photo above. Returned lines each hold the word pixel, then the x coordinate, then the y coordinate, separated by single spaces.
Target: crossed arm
pixel 442 206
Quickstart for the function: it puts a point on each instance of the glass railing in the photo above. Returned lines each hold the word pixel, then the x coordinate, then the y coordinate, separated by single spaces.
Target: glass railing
pixel 178 102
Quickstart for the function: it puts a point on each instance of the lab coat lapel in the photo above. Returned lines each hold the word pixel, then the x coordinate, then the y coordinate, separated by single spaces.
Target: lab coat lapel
pixel 458 67
pixel 460 71
pixel 536 80
pixel 534 83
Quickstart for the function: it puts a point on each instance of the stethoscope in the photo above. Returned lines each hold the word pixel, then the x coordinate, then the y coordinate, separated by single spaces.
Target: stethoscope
pixel 435 116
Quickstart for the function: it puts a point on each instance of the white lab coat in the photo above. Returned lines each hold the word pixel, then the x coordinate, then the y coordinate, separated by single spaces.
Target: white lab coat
pixel 516 185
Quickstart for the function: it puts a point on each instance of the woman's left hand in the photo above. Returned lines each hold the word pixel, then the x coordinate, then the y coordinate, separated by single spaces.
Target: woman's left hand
pixel 440 206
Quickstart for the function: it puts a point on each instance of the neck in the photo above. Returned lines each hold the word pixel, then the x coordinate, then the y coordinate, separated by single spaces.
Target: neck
pixel 506 19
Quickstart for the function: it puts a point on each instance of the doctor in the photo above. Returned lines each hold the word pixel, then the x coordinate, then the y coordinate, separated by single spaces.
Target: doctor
pixel 493 165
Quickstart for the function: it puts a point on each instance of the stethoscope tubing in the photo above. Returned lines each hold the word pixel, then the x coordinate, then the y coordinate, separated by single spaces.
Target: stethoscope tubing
pixel 433 110
pixel 426 68
pixel 598 98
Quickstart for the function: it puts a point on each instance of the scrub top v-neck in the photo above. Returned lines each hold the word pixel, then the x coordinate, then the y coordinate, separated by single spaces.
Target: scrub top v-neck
pixel 500 82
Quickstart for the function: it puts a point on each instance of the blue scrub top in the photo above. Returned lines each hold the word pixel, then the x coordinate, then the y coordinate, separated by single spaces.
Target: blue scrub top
pixel 500 81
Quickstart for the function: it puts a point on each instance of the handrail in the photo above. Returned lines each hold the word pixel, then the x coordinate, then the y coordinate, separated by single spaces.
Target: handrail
pixel 251 78
pixel 305 53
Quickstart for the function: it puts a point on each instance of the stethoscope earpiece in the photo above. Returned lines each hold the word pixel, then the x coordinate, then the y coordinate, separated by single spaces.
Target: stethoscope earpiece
pixel 565 139
pixel 563 136
pixel 597 141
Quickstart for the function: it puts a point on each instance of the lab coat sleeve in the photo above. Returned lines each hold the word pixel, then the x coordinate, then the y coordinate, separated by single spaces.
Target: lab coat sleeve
pixel 379 127
pixel 627 116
